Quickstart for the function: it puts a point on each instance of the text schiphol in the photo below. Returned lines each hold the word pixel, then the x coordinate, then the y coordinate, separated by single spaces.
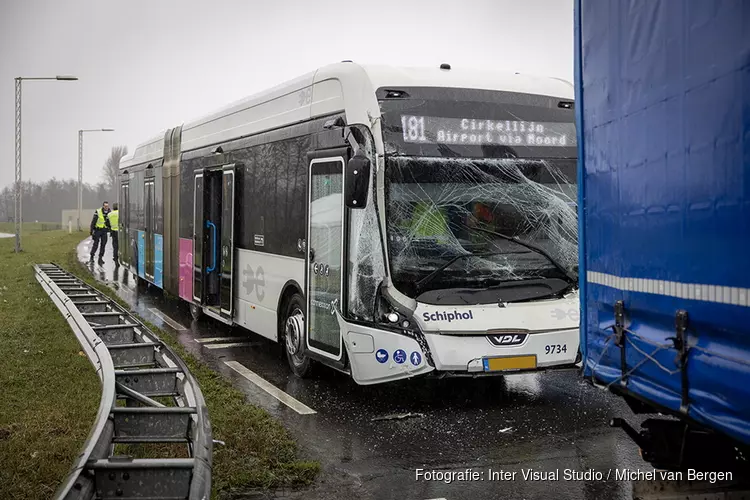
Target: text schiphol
pixel 447 316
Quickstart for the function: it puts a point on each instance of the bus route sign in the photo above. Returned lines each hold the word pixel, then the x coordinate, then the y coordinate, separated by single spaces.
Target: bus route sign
pixel 479 132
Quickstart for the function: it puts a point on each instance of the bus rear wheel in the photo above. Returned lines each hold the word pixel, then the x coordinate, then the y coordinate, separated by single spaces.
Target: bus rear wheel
pixel 196 311
pixel 294 335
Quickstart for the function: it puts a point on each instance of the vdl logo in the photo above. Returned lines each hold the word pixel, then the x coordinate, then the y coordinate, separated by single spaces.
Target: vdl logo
pixel 508 340
pixel 255 281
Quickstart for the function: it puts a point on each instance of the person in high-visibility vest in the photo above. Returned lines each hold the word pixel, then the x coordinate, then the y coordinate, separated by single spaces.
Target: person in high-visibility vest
pixel 429 221
pixel 98 230
pixel 114 225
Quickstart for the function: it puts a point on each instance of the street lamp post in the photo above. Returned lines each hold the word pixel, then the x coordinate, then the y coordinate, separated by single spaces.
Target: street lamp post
pixel 18 207
pixel 80 167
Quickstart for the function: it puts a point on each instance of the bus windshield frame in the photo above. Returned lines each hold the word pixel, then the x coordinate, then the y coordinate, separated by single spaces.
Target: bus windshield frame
pixel 444 199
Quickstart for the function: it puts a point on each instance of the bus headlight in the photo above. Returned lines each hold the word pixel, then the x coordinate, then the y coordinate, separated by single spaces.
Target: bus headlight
pixel 392 317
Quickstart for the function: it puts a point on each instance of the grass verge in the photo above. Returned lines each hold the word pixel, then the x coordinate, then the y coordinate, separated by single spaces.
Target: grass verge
pixel 259 452
pixel 50 392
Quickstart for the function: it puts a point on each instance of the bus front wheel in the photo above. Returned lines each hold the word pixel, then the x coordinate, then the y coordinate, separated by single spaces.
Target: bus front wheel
pixel 294 335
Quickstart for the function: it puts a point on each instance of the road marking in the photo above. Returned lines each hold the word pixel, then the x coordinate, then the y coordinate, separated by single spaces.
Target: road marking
pixel 231 344
pixel 166 319
pixel 216 339
pixel 274 391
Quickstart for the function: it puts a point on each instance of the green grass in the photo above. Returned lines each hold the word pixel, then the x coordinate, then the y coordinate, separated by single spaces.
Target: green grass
pixel 30 227
pixel 49 395
pixel 49 392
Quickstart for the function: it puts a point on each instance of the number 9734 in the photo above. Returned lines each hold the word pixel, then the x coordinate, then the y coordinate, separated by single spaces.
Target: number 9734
pixel 555 348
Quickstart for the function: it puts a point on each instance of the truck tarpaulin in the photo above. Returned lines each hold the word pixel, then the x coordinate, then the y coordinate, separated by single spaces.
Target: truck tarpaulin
pixel 663 108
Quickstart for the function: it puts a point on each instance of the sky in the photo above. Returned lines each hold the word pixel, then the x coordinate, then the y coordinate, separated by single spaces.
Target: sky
pixel 145 65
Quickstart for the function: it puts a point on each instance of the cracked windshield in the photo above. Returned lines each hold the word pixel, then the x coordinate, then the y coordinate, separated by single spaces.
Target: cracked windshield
pixel 481 197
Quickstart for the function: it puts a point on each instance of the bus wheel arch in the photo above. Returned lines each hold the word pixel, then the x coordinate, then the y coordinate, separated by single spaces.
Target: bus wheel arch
pixel 291 329
pixel 290 288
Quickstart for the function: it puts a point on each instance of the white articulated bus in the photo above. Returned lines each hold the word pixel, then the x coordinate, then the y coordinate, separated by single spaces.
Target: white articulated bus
pixel 387 222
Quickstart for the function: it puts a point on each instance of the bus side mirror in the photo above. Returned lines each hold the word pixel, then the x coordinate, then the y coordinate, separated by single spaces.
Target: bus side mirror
pixel 357 181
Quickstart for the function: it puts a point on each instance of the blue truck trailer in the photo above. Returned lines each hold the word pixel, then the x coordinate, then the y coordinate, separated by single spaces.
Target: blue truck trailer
pixel 663 112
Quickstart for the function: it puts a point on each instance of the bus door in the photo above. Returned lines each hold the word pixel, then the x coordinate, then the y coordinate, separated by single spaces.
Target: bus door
pixel 150 227
pixel 213 240
pixel 198 242
pixel 124 238
pixel 325 255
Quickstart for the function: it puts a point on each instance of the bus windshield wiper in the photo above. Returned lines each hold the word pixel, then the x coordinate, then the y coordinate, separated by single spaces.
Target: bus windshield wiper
pixel 440 269
pixel 570 275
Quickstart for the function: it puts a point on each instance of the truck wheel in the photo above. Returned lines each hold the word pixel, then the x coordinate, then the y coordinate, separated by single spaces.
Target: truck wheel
pixel 196 311
pixel 293 336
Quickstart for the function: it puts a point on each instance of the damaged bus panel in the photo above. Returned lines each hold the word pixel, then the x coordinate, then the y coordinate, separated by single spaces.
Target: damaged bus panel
pixel 385 222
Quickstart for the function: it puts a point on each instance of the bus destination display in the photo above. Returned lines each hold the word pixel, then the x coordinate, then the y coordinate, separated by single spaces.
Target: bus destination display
pixel 476 132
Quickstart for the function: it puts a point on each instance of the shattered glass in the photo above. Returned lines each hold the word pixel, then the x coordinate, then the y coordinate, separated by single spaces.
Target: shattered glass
pixel 437 209
pixel 366 260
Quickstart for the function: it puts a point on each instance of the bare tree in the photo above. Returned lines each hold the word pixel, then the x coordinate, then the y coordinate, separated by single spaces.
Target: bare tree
pixel 111 169
pixel 45 201
pixel 6 205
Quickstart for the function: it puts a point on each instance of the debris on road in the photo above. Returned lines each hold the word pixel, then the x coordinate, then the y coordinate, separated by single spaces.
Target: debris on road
pixel 397 416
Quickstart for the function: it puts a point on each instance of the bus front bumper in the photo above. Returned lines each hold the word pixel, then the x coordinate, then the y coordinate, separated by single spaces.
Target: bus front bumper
pixel 378 356
pixel 476 354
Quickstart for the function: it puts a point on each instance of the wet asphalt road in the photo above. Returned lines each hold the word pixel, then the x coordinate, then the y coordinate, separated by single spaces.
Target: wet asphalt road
pixel 546 422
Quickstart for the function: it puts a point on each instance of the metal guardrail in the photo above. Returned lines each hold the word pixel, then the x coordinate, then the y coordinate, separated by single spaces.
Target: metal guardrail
pixel 134 367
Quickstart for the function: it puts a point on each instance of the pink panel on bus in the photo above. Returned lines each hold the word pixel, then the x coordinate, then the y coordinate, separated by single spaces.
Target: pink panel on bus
pixel 186 269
